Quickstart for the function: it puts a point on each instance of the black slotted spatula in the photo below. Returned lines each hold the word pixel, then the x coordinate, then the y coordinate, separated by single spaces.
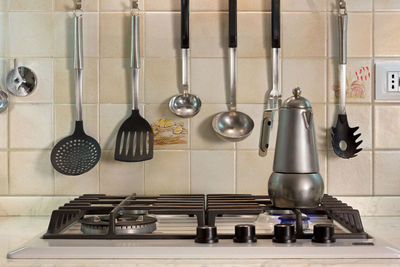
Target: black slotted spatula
pixel 135 138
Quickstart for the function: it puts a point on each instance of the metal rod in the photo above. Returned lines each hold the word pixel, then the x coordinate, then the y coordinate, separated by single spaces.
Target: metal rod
pixel 185 70
pixel 78 64
pixel 135 59
pixel 233 76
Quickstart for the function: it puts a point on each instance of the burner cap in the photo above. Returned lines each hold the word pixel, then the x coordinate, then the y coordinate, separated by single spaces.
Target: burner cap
pixel 130 224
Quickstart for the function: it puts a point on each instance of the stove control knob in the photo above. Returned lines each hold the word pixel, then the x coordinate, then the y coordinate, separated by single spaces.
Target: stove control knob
pixel 245 233
pixel 323 233
pixel 206 234
pixel 284 233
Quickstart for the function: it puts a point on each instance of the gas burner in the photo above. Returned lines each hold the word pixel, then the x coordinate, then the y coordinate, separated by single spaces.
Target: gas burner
pixel 129 224
pixel 291 219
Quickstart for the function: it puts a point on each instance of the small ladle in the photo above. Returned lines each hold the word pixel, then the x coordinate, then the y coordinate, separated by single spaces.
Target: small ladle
pixel 3 100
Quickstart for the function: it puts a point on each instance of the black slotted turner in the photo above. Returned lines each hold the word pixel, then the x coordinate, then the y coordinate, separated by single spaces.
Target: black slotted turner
pixel 344 139
pixel 135 139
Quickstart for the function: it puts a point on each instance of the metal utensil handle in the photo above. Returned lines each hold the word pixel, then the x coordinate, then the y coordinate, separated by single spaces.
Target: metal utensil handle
pixel 185 45
pixel 276 23
pixel 232 23
pixel 135 59
pixel 78 62
pixel 342 20
pixel 232 51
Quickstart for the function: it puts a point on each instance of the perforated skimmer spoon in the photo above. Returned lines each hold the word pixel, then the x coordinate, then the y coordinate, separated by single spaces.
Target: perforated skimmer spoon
pixel 78 153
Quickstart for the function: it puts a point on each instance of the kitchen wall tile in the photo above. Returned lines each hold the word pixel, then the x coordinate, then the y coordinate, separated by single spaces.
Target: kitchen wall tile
pixel 387 5
pixel 116 81
pixel 118 177
pixel 350 176
pixel 65 117
pixel 3 34
pixel 304 5
pixel 386 36
pixel 35 27
pixel 87 183
pixel 4 129
pixel 115 37
pixel 29 5
pixel 359 36
pixel 386 172
pixel 353 5
pixel 3 173
pixel 164 41
pixel 164 5
pixel 304 34
pixel 254 80
pixel 253 172
pixel 253 5
pixel 64 34
pixel 69 5
pixel 323 162
pixel 64 81
pixel 202 134
pixel 209 34
pixel 170 131
pixel 253 31
pixel 209 5
pixel 387 127
pixel 3 5
pixel 31 126
pixel 168 173
pixel 308 74
pixel 359 80
pixel 162 79
pixel 111 118
pixel 358 115
pixel 320 127
pixel 118 5
pixel 210 79
pixel 35 176
pixel 43 68
pixel 216 168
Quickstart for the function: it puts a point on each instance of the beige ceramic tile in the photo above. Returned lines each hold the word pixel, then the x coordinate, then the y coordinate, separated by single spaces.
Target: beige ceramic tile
pixel 253 172
pixel 308 74
pixel 386 35
pixel 29 5
pixel 168 173
pixel 3 173
pixel 162 79
pixel 118 177
pixel 354 5
pixel 35 176
pixel 65 118
pixel 3 5
pixel 116 81
pixel 69 5
pixel 4 69
pixel 215 88
pixel 87 183
pixel 212 172
pixel 43 68
pixel 386 5
pixel 170 131
pixel 358 115
pixel 209 34
pixel 4 129
pixel 35 27
pixel 386 173
pixel 164 5
pixel 253 5
pixel 3 34
pixel 304 5
pixel 209 5
pixel 202 134
pixel 359 36
pixel 322 160
pixel 359 80
pixel 64 81
pixel 31 126
pixel 118 5
pixel 350 176
pixel 320 127
pixel 304 34
pixel 387 127
pixel 164 41
pixel 254 80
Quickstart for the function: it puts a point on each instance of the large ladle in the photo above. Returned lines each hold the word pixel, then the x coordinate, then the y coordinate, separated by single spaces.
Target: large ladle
pixel 232 125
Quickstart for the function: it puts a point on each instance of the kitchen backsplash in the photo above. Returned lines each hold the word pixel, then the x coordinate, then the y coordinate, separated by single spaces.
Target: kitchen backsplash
pixel 188 157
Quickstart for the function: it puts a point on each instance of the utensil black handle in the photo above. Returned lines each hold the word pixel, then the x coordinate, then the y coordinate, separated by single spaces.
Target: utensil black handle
pixel 276 23
pixel 232 23
pixel 185 24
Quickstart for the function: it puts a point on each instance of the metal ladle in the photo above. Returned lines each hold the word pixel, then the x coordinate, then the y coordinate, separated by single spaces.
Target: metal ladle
pixel 232 125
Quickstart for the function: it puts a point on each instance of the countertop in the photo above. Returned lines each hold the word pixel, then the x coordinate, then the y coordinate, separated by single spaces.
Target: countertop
pixel 15 231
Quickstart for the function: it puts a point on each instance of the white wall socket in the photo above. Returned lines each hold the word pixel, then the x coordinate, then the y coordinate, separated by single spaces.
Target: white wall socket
pixel 387 80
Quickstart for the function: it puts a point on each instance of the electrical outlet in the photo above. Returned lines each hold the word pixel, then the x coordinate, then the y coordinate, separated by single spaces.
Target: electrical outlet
pixel 387 80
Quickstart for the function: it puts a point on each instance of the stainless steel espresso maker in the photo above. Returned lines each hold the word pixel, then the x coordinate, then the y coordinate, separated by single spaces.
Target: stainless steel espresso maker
pixel 296 182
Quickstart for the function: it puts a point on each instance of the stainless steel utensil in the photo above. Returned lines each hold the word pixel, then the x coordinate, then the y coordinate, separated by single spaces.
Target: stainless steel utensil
pixel 185 105
pixel 275 96
pixel 3 100
pixel 232 125
pixel 21 81
pixel 344 139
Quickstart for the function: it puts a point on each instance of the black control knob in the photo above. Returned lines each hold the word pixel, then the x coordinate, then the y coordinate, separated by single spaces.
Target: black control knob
pixel 245 233
pixel 284 233
pixel 323 233
pixel 206 234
